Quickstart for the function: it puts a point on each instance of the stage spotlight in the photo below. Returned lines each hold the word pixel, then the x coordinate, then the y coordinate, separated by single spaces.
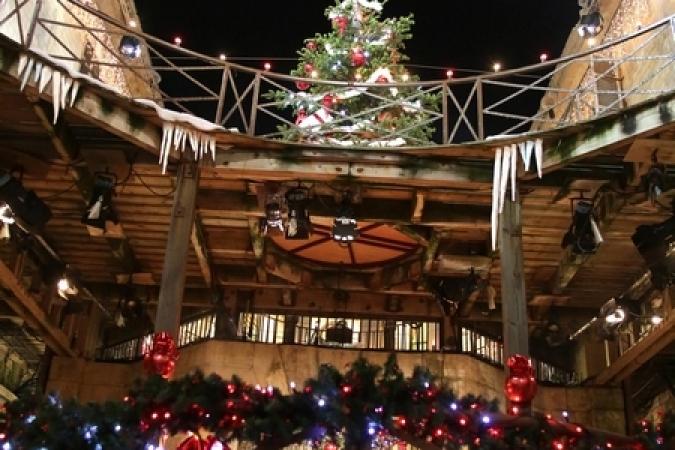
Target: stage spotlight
pixel 130 47
pixel 590 24
pixel 66 288
pixel 583 235
pixel 345 228
pixel 100 210
pixel 656 244
pixel 298 225
pixel 22 203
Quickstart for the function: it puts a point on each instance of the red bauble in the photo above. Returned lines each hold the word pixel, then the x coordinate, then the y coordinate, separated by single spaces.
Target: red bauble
pixel 521 384
pixel 302 85
pixel 329 101
pixel 341 23
pixel 192 442
pixel 302 115
pixel 311 46
pixel 358 58
pixel 161 357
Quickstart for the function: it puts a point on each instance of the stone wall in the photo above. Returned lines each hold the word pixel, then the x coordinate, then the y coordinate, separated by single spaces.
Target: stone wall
pixel 280 364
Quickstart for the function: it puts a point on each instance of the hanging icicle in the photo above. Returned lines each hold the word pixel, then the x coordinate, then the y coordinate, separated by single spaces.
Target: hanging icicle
pixel 505 170
pixel 176 137
pixel 64 87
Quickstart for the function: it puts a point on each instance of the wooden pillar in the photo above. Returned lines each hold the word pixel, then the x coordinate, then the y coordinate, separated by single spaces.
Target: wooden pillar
pixel 177 247
pixel 514 296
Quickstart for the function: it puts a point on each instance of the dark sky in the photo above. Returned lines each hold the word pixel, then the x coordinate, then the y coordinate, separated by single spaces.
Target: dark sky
pixel 454 33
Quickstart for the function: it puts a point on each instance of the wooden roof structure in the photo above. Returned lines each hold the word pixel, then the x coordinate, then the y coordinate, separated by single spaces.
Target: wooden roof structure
pixel 431 204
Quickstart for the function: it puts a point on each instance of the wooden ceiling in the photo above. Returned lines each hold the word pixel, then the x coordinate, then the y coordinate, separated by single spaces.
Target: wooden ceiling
pixel 443 222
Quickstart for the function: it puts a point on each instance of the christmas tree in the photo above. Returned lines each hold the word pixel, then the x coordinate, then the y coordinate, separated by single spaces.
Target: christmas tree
pixel 362 50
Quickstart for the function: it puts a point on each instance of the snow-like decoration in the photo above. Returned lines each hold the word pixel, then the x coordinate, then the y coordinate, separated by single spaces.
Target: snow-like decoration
pixel 177 137
pixel 63 86
pixel 373 5
pixel 505 170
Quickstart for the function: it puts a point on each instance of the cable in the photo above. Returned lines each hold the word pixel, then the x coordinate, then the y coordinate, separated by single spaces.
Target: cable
pixel 58 194
pixel 168 194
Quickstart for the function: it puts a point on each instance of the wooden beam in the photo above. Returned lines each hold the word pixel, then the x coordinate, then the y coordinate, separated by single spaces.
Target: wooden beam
pixel 639 354
pixel 611 132
pixel 418 207
pixel 329 166
pixel 202 251
pixel 177 247
pixel 514 295
pixel 28 308
pixel 69 152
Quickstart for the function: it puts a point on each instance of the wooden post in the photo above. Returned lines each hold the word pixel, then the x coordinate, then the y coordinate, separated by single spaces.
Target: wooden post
pixel 514 296
pixel 177 248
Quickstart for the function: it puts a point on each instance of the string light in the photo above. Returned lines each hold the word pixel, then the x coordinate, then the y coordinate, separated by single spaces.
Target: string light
pixel 177 41
pixel 496 67
pixel 453 406
pixel 132 23
pixel 314 74
pixel 292 385
pixel 449 73
pixel 405 77
pixel 267 66
pixel 222 56
pixel 656 320
pixel 485 419
pixel 543 57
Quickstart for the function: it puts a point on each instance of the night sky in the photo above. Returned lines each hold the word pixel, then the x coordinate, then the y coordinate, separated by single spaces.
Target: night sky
pixel 450 33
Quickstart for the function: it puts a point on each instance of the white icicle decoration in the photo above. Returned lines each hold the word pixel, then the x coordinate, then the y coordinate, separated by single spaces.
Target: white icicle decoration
pixel 504 178
pixel 176 138
pixel 597 236
pixel 494 222
pixel 64 87
pixel 505 168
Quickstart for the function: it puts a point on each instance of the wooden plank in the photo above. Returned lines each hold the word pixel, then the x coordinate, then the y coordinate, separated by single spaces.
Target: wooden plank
pixel 645 150
pixel 177 248
pixel 514 295
pixel 611 132
pixel 28 308
pixel 202 251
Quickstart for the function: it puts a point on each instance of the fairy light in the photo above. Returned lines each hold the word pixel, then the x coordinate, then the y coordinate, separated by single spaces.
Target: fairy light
pixel 496 67
pixel 222 56
pixel 292 385
pixel 267 66
pixel 449 73
pixel 177 41
pixel 453 406
pixel 543 57
pixel 405 77
pixel 132 23
pixel 314 74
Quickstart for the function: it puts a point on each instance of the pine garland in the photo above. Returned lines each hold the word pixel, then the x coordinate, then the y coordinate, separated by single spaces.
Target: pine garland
pixel 367 404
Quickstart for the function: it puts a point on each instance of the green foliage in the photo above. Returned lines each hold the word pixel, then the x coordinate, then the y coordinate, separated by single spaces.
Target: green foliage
pixel 359 116
pixel 351 409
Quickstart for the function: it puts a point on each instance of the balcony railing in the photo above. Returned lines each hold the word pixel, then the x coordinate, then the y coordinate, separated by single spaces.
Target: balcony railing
pixel 234 96
pixel 362 333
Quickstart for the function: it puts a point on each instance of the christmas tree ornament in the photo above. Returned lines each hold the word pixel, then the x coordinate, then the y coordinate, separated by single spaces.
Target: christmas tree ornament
pixel 340 23
pixel 302 85
pixel 160 358
pixel 357 57
pixel 311 45
pixel 191 442
pixel 329 101
pixel 521 385
pixel 309 68
pixel 301 116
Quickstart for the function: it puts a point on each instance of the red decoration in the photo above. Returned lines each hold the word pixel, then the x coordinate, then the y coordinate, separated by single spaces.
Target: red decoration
pixel 521 384
pixel 309 67
pixel 302 115
pixel 161 357
pixel 341 23
pixel 213 443
pixel 192 442
pixel 382 79
pixel 311 46
pixel 358 58
pixel 302 85
pixel 329 101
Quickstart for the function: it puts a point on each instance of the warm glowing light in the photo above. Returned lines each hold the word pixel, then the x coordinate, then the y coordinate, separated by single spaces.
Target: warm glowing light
pixel 178 41
pixel 450 73
pixel 132 23
pixel 405 77
pixel 222 56
pixel 267 66
pixel 543 57
pixel 497 66
pixel 591 42
pixel 314 74
pixel 656 320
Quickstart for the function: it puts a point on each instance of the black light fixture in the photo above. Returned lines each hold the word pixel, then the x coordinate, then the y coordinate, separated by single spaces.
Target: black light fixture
pixel 656 244
pixel 100 209
pixel 345 228
pixel 129 307
pixel 274 219
pixel 298 225
pixel 583 236
pixel 613 313
pixel 130 47
pixel 655 181
pixel 590 20
pixel 66 287
pixel 22 203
